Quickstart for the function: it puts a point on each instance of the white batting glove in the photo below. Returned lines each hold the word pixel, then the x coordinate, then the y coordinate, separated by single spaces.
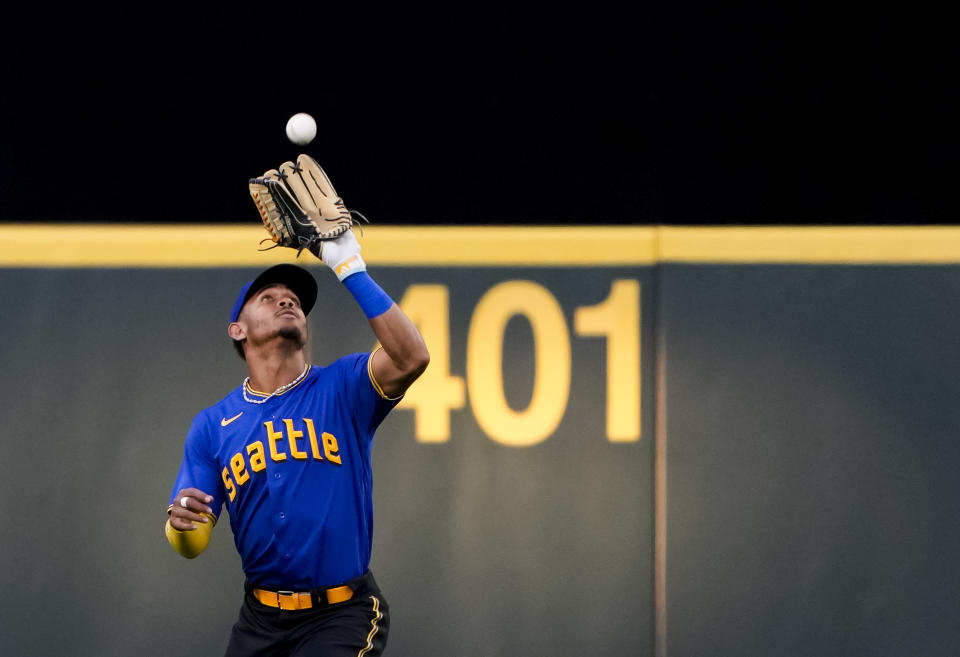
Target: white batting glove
pixel 342 255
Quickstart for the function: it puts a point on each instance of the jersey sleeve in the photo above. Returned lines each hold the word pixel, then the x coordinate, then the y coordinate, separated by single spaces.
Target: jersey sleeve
pixel 199 469
pixel 369 406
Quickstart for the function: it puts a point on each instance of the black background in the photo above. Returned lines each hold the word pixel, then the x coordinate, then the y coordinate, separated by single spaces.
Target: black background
pixel 679 113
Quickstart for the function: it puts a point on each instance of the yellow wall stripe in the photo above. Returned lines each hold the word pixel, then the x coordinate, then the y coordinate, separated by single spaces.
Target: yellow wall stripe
pixel 812 244
pixel 202 245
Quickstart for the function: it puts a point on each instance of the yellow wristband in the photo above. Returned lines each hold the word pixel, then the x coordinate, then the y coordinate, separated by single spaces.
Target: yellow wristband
pixel 190 543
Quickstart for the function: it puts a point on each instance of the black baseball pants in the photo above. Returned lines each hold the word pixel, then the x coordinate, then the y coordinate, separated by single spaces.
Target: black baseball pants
pixel 355 628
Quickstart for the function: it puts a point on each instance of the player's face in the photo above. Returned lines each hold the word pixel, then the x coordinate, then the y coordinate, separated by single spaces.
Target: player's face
pixel 274 312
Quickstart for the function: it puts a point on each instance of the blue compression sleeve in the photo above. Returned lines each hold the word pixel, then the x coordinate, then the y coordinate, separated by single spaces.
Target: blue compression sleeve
pixel 371 297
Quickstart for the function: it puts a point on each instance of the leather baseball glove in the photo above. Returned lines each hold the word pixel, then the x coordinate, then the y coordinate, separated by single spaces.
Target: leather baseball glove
pixel 299 206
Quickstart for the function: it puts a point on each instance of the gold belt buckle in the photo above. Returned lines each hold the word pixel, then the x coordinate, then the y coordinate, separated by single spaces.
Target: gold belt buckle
pixel 292 596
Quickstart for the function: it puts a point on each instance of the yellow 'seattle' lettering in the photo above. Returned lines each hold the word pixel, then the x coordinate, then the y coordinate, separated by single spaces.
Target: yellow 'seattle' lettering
pixel 292 435
pixel 331 448
pixel 257 461
pixel 239 468
pixel 228 484
pixel 312 432
pixel 272 438
pixel 238 471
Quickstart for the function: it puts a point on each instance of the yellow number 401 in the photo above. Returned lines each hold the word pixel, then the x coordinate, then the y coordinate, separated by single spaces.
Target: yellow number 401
pixel 437 392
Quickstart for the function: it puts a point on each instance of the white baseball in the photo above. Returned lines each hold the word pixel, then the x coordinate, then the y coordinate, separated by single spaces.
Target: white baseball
pixel 301 128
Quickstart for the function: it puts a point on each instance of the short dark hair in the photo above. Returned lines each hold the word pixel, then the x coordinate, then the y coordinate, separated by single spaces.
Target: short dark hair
pixel 238 347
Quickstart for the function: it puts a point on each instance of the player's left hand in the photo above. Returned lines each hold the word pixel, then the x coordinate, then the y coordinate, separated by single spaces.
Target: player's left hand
pixel 342 255
pixel 299 206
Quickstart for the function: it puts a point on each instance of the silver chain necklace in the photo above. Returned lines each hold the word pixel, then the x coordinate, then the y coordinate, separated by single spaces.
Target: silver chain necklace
pixel 278 391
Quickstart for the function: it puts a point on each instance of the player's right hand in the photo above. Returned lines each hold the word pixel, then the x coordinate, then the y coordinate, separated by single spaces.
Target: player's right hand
pixel 183 518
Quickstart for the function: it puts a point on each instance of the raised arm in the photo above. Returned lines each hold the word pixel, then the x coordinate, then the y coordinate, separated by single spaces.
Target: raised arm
pixel 404 356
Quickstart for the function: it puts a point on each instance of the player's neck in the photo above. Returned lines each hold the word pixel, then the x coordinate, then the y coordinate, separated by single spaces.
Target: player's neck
pixel 270 369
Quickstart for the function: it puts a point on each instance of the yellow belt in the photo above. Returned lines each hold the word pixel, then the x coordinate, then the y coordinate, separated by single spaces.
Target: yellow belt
pixel 291 600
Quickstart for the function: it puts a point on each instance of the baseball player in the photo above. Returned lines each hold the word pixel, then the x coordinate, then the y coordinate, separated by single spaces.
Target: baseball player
pixel 288 452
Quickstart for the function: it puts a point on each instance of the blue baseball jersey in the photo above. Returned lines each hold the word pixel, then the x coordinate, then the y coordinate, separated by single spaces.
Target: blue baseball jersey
pixel 295 474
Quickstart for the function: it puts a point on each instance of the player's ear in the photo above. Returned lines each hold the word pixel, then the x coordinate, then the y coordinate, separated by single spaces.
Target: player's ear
pixel 236 331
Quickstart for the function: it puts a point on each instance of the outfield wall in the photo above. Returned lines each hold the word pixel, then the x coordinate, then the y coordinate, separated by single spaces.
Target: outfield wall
pixel 649 441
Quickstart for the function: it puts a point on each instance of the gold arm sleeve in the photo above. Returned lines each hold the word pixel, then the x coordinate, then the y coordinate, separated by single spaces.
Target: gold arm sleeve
pixel 192 543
